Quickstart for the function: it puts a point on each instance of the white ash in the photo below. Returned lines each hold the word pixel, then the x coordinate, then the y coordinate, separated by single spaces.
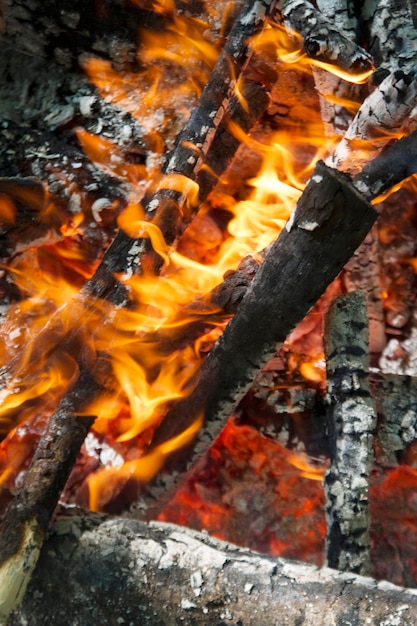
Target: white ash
pixel 400 357
pixel 98 206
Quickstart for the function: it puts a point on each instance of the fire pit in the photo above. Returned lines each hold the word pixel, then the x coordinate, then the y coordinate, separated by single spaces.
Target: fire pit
pixel 183 207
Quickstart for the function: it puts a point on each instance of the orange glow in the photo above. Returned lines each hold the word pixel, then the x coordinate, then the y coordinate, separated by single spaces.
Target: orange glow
pixel 102 484
pixel 106 155
pixel 288 46
pixel 142 377
pixel 7 209
pixel 304 464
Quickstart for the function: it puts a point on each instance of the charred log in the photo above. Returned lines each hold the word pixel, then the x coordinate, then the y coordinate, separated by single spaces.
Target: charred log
pixel 352 415
pixel 160 574
pixel 284 289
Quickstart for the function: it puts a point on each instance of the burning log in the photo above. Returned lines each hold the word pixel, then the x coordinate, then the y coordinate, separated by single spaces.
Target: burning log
pixel 20 542
pixel 162 574
pixel 171 216
pixel 314 233
pixel 286 286
pixel 323 40
pixel 352 414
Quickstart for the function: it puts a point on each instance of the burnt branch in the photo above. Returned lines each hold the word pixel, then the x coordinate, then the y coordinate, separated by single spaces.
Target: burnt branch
pixel 299 266
pixel 352 419
pixel 29 513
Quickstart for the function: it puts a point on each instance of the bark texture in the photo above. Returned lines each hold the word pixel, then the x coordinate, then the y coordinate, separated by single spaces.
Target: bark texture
pixel 327 225
pixel 126 572
pixel 352 417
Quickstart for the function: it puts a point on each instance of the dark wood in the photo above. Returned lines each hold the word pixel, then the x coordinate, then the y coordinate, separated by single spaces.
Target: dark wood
pixel 352 419
pixel 330 221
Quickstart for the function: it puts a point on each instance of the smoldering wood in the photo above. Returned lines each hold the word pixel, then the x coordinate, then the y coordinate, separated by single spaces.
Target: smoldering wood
pixel 161 574
pixel 323 40
pixel 124 255
pixel 334 91
pixel 378 119
pixel 396 402
pixel 285 287
pixel 294 414
pixel 396 162
pixel 352 419
pixel 48 30
pixel 28 97
pixel 391 43
pixel 363 272
pixel 67 171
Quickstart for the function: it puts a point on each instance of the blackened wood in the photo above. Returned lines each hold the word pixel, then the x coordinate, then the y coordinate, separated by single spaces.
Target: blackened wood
pixel 28 96
pixel 124 255
pixel 329 222
pixel 196 139
pixel 338 95
pixel 391 32
pixel 64 31
pixel 103 571
pixel 379 119
pixel 323 39
pixel 397 162
pixel 27 517
pixel 396 401
pixel 363 272
pixel 352 419
pixel 67 171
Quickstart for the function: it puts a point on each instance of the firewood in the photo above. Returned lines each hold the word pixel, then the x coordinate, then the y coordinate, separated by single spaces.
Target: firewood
pixel 285 287
pixel 323 40
pixel 329 35
pixel 162 574
pixel 65 169
pixel 26 521
pixel 47 30
pixel 378 120
pixel 396 401
pixel 352 419
pixel 392 43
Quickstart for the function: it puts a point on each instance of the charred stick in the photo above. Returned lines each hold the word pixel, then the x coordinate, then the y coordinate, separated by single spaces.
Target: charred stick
pixel 18 559
pixel 330 221
pixel 392 43
pixel 396 163
pixel 396 402
pixel 323 40
pixel 352 419
pixel 363 272
pixel 377 121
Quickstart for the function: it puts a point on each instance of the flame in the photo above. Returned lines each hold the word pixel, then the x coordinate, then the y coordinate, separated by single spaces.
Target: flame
pixel 103 483
pixel 146 377
pixel 288 48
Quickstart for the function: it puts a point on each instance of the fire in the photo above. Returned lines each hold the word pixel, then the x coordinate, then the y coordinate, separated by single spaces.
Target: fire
pixel 146 375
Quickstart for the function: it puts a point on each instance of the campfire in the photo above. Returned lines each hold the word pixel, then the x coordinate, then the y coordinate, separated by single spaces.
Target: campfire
pixel 208 310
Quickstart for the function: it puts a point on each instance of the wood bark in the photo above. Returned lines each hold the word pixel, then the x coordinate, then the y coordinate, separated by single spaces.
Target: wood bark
pixel 27 517
pixel 305 258
pixel 352 419
pixel 161 575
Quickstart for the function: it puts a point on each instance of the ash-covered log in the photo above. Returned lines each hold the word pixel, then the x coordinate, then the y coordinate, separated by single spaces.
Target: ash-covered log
pixel 352 419
pixel 160 575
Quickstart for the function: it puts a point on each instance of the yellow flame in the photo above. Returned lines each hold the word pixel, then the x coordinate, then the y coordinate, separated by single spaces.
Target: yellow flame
pixel 142 470
pixel 304 463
